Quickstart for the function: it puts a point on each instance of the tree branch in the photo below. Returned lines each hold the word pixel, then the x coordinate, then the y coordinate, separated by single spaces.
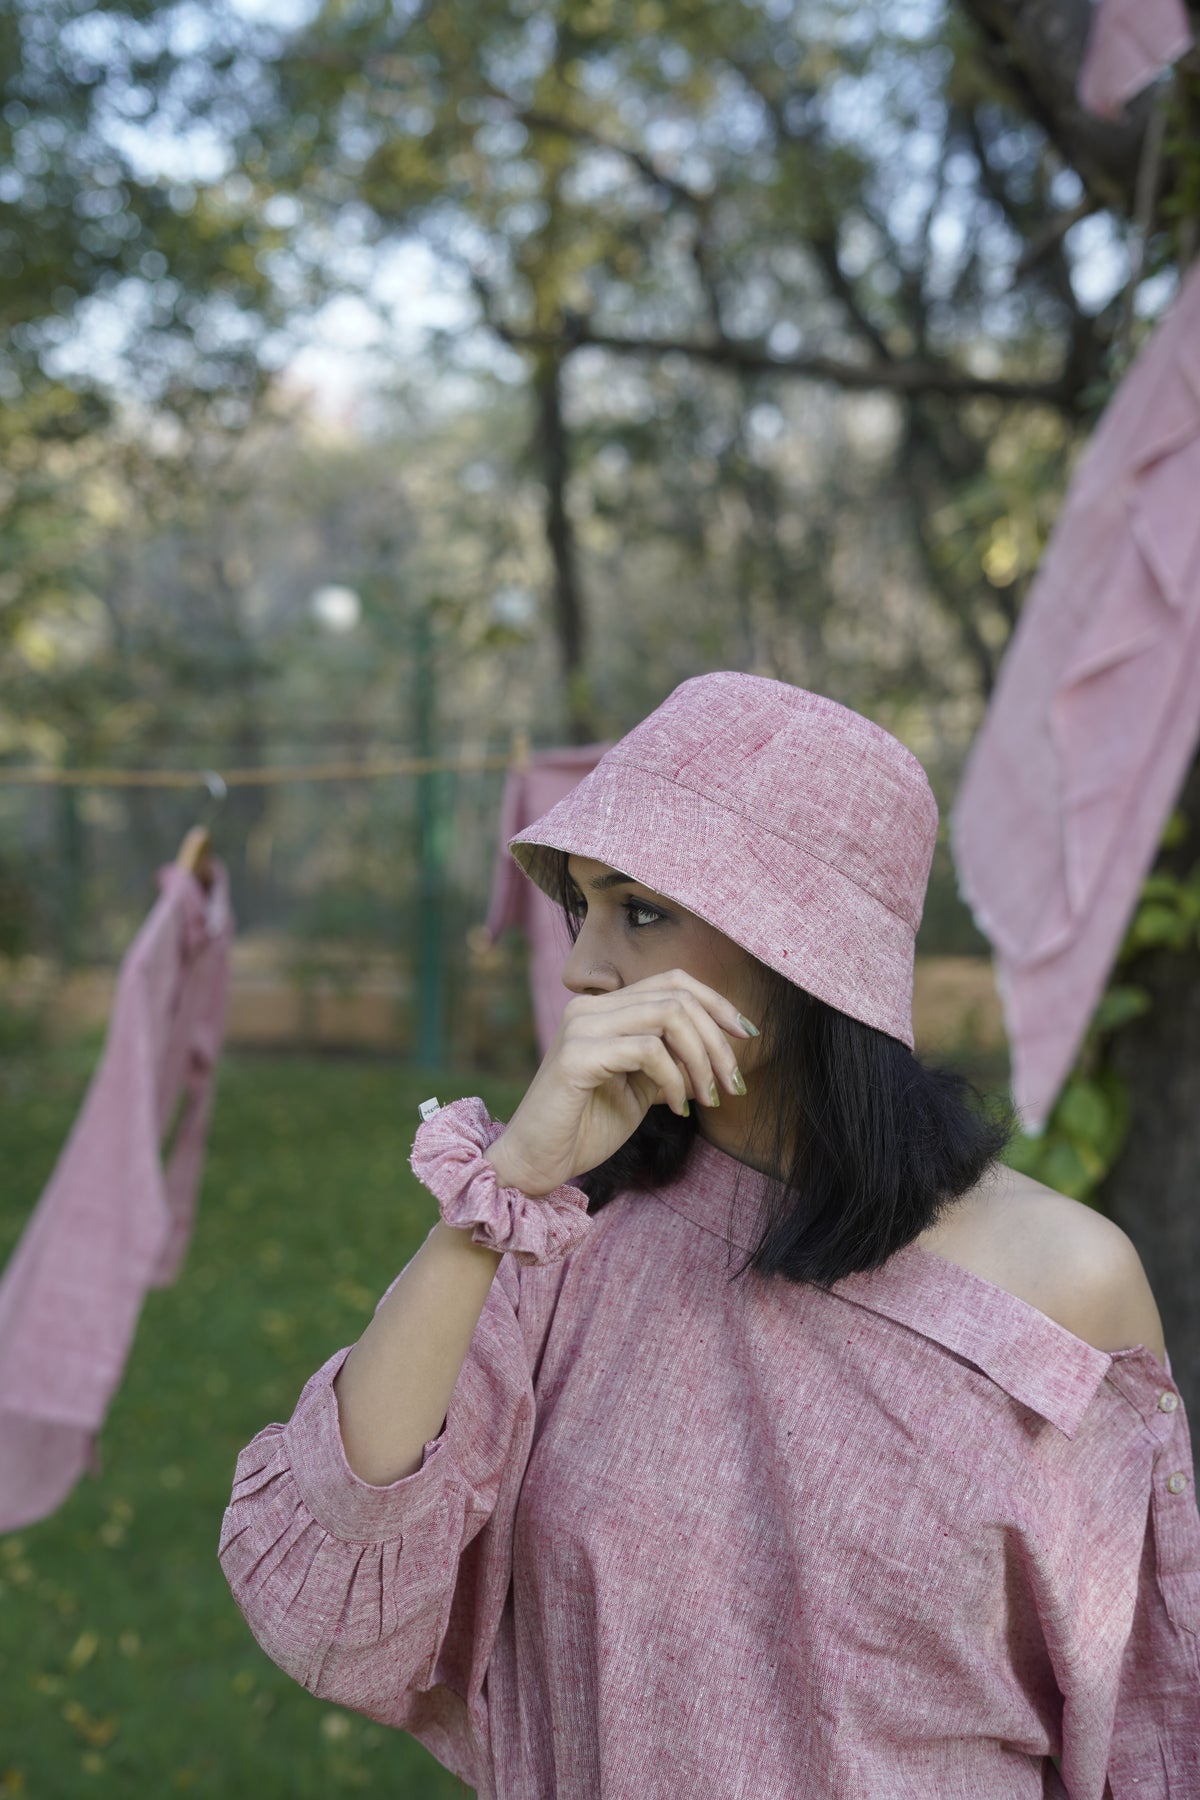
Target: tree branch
pixel 911 377
pixel 534 120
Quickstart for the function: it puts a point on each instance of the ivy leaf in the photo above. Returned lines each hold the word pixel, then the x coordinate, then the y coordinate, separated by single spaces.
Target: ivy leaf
pixel 1175 832
pixel 1161 887
pixel 1063 1168
pixel 1119 1005
pixel 1155 924
pixel 1082 1113
pixel 1024 1154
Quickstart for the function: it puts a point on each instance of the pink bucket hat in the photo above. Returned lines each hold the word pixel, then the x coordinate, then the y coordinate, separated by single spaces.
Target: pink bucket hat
pixel 796 827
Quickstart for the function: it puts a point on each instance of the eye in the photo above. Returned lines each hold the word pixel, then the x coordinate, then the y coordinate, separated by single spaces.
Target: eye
pixel 639 914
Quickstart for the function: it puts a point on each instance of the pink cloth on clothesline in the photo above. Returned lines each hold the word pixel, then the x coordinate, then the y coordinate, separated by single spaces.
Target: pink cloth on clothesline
pixel 516 900
pixel 1095 718
pixel 1130 42
pixel 111 1222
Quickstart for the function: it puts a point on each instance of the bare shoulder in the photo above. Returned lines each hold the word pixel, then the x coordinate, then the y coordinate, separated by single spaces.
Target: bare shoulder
pixel 1061 1256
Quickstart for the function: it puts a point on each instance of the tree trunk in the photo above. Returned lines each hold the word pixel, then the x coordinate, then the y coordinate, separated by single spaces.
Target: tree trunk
pixel 554 457
pixel 1153 1190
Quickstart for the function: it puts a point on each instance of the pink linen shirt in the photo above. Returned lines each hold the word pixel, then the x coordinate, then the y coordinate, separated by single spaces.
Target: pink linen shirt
pixel 690 1538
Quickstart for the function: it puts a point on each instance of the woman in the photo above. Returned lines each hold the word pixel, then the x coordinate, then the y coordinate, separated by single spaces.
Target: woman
pixel 743 1428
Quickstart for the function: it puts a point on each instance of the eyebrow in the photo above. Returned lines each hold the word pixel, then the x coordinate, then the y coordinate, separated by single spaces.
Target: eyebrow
pixel 614 879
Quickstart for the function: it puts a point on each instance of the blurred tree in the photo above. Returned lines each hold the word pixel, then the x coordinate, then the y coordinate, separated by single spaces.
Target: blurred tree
pixel 132 254
pixel 797 192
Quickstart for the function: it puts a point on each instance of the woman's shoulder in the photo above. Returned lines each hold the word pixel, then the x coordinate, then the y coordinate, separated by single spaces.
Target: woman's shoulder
pixel 1057 1254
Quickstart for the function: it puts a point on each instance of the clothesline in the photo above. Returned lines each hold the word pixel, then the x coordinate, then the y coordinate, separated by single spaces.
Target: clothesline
pixel 516 756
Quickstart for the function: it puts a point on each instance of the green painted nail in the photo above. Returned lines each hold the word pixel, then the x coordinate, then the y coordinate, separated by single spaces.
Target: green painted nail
pixel 747 1026
pixel 716 1096
pixel 738 1082
pixel 687 1109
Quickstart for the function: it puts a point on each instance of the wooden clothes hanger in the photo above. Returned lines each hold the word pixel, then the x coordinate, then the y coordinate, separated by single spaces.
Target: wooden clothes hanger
pixel 196 851
pixel 195 855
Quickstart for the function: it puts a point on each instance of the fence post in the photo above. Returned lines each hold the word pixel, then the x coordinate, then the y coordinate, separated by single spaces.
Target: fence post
pixel 430 937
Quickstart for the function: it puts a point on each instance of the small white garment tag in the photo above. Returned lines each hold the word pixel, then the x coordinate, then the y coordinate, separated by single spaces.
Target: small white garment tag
pixel 427 1108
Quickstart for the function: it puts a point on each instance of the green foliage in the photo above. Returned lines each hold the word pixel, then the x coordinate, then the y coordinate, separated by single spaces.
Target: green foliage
pixel 91 209
pixel 1168 914
pixel 1180 205
pixel 1082 1138
pixel 1119 1005
pixel 125 1664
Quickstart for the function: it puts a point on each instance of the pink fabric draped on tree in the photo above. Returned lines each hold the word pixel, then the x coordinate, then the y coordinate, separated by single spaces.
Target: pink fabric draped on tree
pixel 1095 718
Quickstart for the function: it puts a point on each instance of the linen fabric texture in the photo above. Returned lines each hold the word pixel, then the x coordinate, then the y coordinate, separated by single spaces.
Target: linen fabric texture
pixel 112 1221
pixel 801 830
pixel 747 1540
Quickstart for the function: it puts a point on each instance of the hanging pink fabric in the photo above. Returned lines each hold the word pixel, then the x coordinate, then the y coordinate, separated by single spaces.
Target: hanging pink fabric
pixel 112 1222
pixel 1130 42
pixel 1095 717
pixel 515 900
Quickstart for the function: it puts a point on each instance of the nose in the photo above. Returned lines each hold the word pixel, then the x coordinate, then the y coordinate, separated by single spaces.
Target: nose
pixel 585 970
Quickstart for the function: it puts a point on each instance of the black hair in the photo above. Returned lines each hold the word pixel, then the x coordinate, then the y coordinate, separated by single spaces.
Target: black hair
pixel 868 1146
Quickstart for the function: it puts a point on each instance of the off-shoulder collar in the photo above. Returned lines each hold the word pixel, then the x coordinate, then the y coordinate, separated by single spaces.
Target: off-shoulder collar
pixel 1038 1362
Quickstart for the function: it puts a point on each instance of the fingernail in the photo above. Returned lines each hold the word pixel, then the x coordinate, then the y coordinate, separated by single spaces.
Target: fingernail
pixel 687 1109
pixel 716 1095
pixel 747 1026
pixel 738 1082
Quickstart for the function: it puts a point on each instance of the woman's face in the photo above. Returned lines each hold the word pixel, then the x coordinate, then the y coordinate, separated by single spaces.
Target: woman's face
pixel 628 932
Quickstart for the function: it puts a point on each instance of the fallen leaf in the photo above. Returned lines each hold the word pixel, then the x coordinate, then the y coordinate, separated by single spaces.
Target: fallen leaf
pixel 97 1732
pixel 82 1651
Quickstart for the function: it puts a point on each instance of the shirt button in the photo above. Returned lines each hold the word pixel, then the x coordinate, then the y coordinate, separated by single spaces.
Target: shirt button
pixel 1177 1482
pixel 1168 1402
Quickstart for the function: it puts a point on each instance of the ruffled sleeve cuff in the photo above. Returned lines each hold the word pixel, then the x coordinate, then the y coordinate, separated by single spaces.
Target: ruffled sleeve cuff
pixel 448 1157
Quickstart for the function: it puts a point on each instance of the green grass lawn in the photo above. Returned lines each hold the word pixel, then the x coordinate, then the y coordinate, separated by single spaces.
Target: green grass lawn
pixel 125 1666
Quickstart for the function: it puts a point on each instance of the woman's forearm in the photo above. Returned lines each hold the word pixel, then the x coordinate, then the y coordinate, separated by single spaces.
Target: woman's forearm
pixel 394 1389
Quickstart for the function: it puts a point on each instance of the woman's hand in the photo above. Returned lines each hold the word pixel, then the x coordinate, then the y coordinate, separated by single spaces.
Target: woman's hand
pixel 613 1057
